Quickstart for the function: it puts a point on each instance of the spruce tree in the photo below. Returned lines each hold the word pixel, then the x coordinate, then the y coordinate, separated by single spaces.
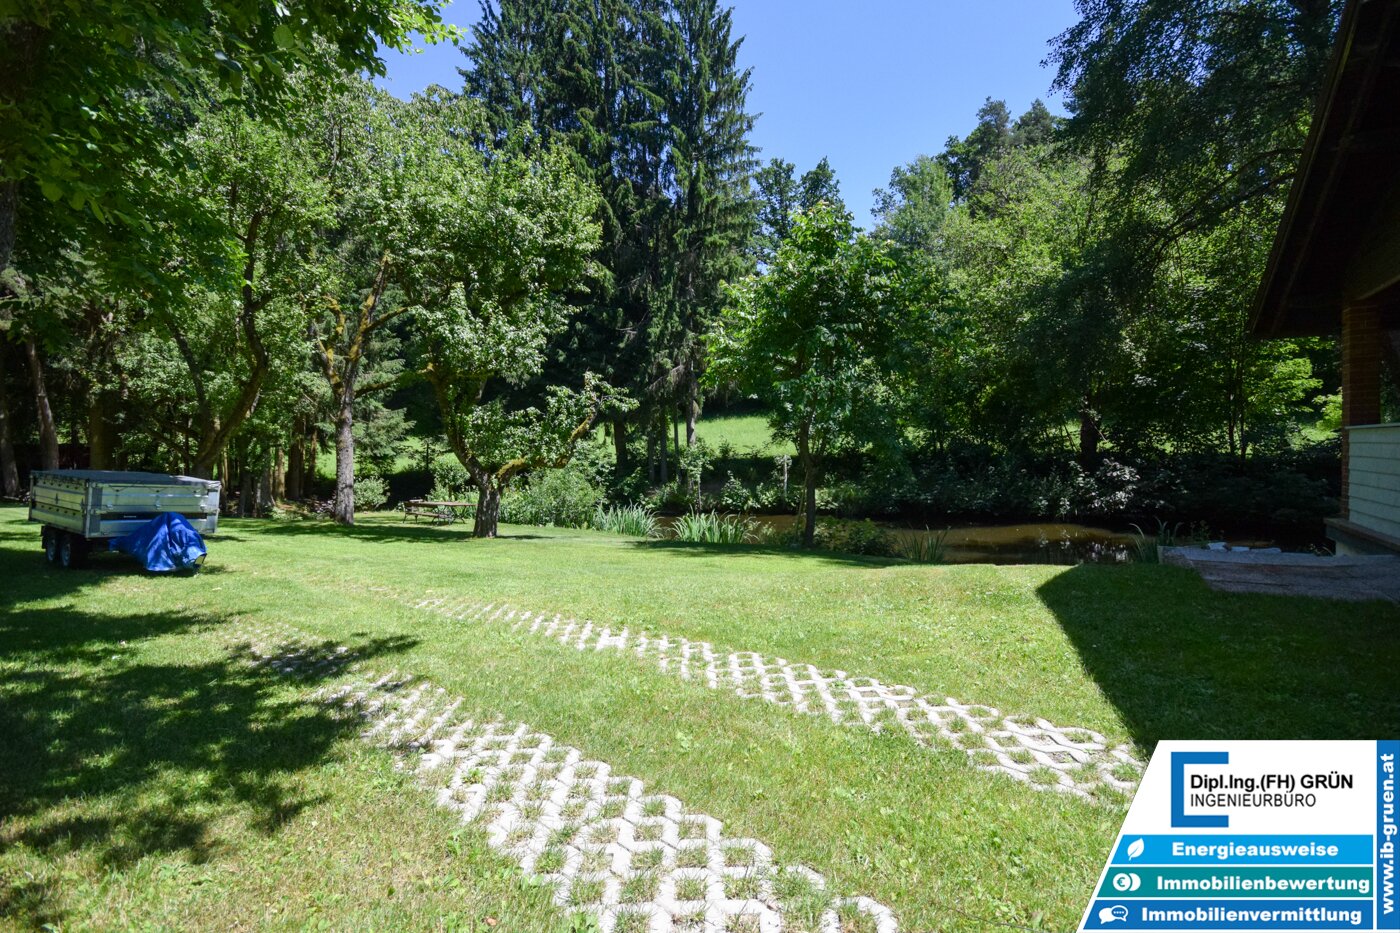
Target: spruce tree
pixel 711 163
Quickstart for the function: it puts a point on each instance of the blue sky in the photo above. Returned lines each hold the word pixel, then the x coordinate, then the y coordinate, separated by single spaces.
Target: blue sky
pixel 869 85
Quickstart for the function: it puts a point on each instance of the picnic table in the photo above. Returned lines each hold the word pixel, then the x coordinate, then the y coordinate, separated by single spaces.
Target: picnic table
pixel 440 511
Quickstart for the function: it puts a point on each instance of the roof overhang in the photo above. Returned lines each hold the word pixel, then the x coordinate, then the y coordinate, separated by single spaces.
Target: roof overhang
pixel 1339 240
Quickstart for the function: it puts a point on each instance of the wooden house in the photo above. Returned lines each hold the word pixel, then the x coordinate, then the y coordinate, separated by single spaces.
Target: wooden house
pixel 1335 265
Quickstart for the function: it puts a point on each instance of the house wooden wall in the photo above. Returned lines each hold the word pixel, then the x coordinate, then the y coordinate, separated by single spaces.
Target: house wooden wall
pixel 1373 488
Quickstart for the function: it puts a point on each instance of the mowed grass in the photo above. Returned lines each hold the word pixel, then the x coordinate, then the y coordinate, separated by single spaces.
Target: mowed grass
pixel 743 433
pixel 151 778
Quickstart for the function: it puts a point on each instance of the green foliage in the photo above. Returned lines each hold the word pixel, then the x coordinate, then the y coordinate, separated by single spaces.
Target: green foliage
pixel 820 186
pixel 814 337
pixel 927 548
pixel 451 482
pixel 634 520
pixel 86 110
pixel 737 497
pixel 673 497
pixel 565 497
pixel 694 461
pixel 1205 105
pixel 371 492
pixel 995 134
pixel 519 229
pixel 912 209
pixel 778 195
pixel 714 528
pixel 651 103
pixel 862 537
pixel 1147 549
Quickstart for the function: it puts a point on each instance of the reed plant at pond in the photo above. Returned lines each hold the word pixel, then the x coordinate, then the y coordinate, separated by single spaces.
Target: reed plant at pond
pixel 713 528
pixel 634 520
pixel 1148 549
pixel 927 548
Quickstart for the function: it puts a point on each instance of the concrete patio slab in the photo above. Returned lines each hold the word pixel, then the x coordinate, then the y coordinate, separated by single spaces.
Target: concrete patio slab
pixel 1351 578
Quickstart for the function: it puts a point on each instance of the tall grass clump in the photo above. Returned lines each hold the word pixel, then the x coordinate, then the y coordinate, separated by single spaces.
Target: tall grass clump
pixel 634 520
pixel 928 548
pixel 713 528
pixel 1148 549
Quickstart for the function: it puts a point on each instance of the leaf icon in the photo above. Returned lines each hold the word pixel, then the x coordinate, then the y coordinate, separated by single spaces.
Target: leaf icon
pixel 1135 848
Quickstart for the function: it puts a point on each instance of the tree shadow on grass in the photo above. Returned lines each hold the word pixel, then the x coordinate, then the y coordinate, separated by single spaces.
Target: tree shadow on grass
pixel 1181 661
pixel 115 755
pixel 386 531
pixel 701 549
pixel 373 531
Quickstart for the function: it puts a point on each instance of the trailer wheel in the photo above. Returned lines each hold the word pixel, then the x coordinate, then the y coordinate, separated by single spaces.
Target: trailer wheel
pixel 72 551
pixel 50 538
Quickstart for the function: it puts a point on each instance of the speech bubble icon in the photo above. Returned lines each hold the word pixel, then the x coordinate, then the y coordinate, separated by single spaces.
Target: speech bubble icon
pixel 1115 914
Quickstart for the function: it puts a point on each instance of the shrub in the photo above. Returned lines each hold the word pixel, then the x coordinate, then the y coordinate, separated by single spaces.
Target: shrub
pixel 863 537
pixel 694 461
pixel 371 492
pixel 930 547
pixel 713 528
pixel 672 497
pixel 784 536
pixel 451 481
pixel 632 520
pixel 566 498
pixel 737 497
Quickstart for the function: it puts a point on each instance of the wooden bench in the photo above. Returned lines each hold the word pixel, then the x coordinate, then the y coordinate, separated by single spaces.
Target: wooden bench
pixel 442 513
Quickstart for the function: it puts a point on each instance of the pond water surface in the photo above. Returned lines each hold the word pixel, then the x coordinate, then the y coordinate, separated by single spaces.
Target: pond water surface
pixel 1027 543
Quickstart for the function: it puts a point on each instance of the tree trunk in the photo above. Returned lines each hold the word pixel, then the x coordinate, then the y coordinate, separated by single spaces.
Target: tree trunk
pixel 9 470
pixel 664 454
pixel 1088 436
pixel 488 511
pixel 225 471
pixel 279 476
pixel 265 493
pixel 809 482
pixel 308 474
pixel 101 436
pixel 692 411
pixel 9 208
pixel 48 432
pixel 245 488
pixel 809 506
pixel 296 462
pixel 620 447
pixel 651 455
pixel 343 508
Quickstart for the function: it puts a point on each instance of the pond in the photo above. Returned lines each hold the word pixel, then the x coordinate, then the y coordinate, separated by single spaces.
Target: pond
pixel 1029 543
pixel 1034 543
pixel 1044 543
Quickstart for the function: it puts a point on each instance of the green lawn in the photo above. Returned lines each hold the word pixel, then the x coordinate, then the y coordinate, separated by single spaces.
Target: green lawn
pixel 152 778
pixel 744 433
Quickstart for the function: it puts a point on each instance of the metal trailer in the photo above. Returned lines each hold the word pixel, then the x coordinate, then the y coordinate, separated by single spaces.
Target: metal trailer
pixel 78 507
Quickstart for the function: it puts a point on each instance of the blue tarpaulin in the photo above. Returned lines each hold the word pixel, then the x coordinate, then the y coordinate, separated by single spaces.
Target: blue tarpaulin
pixel 166 542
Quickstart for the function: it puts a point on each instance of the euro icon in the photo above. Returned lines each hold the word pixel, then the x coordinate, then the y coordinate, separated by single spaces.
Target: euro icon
pixel 1127 881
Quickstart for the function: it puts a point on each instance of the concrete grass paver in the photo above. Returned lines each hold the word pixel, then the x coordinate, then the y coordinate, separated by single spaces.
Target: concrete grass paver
pixel 1039 753
pixel 637 861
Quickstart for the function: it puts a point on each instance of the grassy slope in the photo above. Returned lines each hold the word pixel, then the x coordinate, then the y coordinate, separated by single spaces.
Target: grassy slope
pixel 203 785
pixel 744 433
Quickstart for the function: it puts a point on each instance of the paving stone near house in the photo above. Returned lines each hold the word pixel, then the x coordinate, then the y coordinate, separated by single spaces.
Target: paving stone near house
pixel 1350 578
